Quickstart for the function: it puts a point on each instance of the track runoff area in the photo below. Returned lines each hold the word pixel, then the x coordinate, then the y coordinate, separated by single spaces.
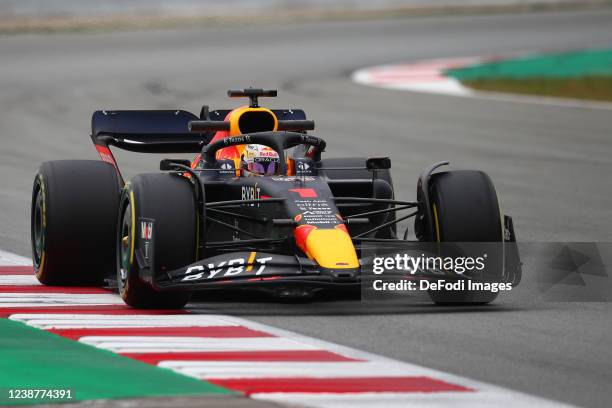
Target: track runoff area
pixel 577 78
pixel 83 343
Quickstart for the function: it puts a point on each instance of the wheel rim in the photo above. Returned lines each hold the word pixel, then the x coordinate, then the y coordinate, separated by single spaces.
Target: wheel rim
pixel 38 226
pixel 124 252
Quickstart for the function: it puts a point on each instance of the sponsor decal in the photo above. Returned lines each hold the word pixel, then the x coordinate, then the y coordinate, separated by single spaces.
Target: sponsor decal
pixel 267 152
pixel 146 229
pixel 316 212
pixel 226 167
pixel 145 247
pixel 265 159
pixel 237 140
pixel 293 178
pixel 229 268
pixel 303 168
pixel 251 193
pixel 311 140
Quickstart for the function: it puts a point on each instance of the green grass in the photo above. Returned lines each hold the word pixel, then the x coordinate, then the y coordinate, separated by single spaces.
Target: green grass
pixel 35 359
pixel 588 87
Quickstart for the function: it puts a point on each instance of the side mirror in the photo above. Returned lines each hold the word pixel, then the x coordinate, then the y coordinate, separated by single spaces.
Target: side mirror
pixel 170 164
pixel 378 163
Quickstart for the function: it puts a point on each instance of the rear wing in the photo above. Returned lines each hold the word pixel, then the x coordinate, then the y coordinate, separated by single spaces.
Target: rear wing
pixel 167 131
pixel 147 131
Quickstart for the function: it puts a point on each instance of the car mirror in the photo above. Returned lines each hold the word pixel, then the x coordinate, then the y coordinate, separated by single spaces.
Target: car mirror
pixel 169 164
pixel 378 163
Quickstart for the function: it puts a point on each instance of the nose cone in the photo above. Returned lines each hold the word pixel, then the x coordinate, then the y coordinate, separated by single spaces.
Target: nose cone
pixel 330 248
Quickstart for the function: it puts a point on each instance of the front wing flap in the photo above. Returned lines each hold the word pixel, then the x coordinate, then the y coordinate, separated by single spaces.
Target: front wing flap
pixel 239 267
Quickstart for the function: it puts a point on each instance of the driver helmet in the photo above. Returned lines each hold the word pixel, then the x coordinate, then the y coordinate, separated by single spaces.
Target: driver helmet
pixel 259 160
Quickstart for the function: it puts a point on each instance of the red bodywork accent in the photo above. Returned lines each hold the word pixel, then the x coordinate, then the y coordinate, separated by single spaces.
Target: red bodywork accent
pixel 305 192
pixel 195 161
pixel 231 152
pixel 341 227
pixel 267 278
pixel 106 155
pixel 300 234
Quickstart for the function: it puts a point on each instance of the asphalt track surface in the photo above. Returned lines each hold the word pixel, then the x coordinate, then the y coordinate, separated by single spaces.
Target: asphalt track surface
pixel 550 164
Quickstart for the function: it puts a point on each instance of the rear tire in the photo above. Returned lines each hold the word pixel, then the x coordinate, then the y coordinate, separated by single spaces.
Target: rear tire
pixel 73 219
pixel 465 209
pixel 168 201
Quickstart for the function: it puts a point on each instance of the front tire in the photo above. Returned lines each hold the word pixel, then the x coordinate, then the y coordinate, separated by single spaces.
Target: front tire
pixel 73 213
pixel 465 209
pixel 162 207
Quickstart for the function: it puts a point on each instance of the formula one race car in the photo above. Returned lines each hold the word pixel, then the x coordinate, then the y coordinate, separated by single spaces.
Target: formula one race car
pixel 257 208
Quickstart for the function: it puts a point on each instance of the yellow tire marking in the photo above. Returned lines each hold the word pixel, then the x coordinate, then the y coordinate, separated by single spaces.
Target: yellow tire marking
pixel 437 224
pixel 133 229
pixel 41 266
pixel 197 234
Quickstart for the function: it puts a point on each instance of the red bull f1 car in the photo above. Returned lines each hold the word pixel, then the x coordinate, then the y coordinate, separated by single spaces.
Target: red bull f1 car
pixel 300 226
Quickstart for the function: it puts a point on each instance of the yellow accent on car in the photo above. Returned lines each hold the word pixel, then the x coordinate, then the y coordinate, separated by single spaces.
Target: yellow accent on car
pixel 237 113
pixel 332 249
pixel 250 261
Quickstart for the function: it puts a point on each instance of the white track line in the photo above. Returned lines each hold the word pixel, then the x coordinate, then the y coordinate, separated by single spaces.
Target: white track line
pixel 238 369
pixel 10 259
pixel 145 344
pixel 29 280
pixel 55 299
pixel 80 321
